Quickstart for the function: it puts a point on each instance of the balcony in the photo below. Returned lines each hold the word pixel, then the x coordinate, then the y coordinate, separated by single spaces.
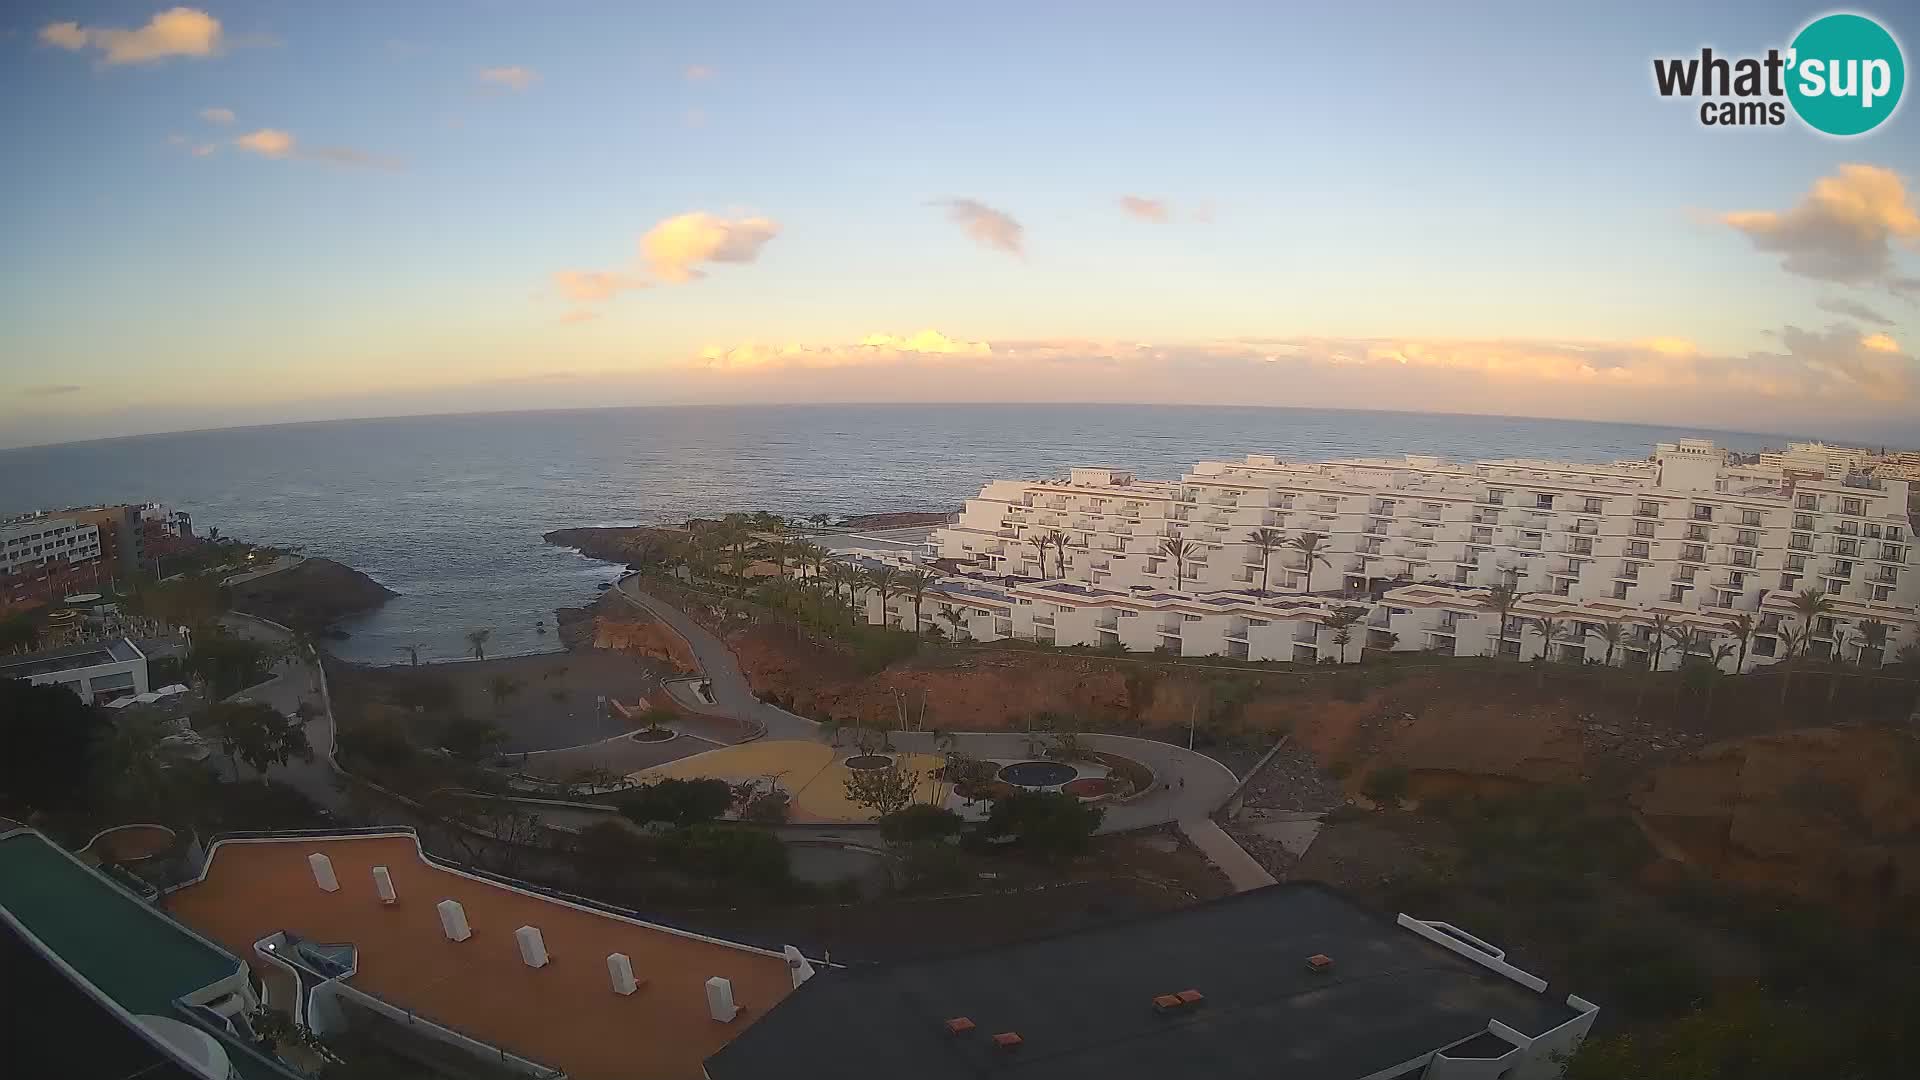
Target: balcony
pixel 1042 620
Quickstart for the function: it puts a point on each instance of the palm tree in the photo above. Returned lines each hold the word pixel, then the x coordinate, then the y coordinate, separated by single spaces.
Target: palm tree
pixel 884 580
pixel 1688 641
pixel 1179 551
pixel 1873 641
pixel 1342 621
pixel 1741 626
pixel 1059 540
pixel 1040 544
pixel 1266 540
pixel 1657 643
pixel 914 583
pixel 477 642
pixel 1501 598
pixel 1792 639
pixel 1549 629
pixel 955 618
pixel 1613 632
pixel 1308 545
pixel 1810 605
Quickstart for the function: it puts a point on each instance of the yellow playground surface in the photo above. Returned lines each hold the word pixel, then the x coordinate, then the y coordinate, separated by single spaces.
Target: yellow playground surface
pixel 812 773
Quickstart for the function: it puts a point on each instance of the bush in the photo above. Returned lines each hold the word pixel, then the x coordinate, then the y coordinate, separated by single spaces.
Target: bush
pixel 919 823
pixel 1046 822
pixel 678 802
pixel 1385 784
pixel 471 739
pixel 730 853
pixel 930 866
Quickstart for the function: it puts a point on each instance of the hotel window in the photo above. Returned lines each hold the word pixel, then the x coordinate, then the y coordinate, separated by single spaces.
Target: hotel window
pixel 1689 552
pixel 1543 502
pixel 1497 496
pixel 1800 542
pixel 1803 521
pixel 1850 506
pixel 1594 506
pixel 1737 580
pixel 1796 563
pixel 1683 573
pixel 1677 594
pixel 1643 528
pixel 1743 558
pixel 1788 581
pixel 1846 547
pixel 1648 509
pixel 1873 532
pixel 1727 598
pixel 1637 548
pixel 1808 502
pixel 1696 532
pixel 1619 590
pixel 1824 627
pixel 1702 512
pixel 1746 538
pixel 1749 517
pixel 1841 569
pixel 1563 587
pixel 1883 592
pixel 1893 532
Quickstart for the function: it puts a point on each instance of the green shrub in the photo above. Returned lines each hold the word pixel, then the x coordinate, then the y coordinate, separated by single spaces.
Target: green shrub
pixel 729 853
pixel 678 802
pixel 919 823
pixel 1045 822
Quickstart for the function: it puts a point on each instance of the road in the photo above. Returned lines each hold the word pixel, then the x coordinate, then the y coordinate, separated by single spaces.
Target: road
pixel 732 696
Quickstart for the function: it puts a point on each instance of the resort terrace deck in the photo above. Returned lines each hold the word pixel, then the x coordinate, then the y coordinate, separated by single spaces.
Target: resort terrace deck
pixel 564 1014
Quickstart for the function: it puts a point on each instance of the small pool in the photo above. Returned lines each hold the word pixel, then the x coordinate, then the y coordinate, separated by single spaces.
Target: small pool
pixel 1038 774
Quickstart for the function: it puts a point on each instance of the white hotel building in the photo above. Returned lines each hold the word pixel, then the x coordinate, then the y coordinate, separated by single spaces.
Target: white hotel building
pixel 1416 542
pixel 29 545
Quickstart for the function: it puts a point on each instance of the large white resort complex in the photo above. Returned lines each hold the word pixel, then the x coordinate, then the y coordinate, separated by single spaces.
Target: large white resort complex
pixel 1687 538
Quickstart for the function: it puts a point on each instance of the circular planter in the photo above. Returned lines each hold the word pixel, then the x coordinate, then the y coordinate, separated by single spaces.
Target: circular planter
pixel 865 762
pixel 1038 774
pixel 653 735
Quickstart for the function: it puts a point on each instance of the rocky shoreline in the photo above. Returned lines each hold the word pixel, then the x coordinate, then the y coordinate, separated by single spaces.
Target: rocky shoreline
pixel 311 596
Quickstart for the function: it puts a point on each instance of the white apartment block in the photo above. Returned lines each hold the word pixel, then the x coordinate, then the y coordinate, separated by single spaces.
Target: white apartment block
pixel 28 545
pixel 1415 543
pixel 1817 458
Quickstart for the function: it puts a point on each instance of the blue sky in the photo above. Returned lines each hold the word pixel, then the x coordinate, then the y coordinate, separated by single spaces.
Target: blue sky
pixel 1411 209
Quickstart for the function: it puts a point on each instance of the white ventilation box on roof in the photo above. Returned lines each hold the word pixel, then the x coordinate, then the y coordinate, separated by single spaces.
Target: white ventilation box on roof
pixel 453 919
pixel 720 1004
pixel 383 884
pixel 322 868
pixel 620 972
pixel 533 947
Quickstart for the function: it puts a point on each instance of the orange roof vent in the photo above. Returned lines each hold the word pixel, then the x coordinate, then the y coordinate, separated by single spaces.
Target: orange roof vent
pixel 1320 962
pixel 1007 1040
pixel 1165 1002
pixel 1190 997
pixel 959 1025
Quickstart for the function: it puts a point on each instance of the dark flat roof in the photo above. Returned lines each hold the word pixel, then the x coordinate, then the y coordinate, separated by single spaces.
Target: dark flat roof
pixel 1082 1003
pixel 68 658
pixel 54 1028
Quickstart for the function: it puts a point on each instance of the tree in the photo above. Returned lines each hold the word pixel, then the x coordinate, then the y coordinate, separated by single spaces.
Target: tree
pixel 1266 540
pixel 1611 631
pixel 1741 626
pixel 886 790
pixel 1060 541
pixel 915 583
pixel 677 802
pixel 1810 605
pixel 609 851
pixel 18 633
pixel 1657 639
pixel 966 774
pixel 501 688
pixel 1179 551
pixel 477 642
pixel 1792 639
pixel 1342 620
pixel 1550 629
pixel 1045 822
pixel 1308 545
pixel 884 580
pixel 1688 641
pixel 132 762
pixel 48 745
pixel 1040 543
pixel 1502 598
pixel 471 739
pixel 956 618
pixel 919 823
pixel 228 663
pixel 1873 642
pixel 257 734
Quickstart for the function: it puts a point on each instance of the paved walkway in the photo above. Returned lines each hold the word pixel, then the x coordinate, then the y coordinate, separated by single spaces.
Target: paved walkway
pixel 1243 873
pixel 295 681
pixel 732 696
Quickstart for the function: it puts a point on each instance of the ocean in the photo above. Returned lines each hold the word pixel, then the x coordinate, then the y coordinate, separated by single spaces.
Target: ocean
pixel 449 510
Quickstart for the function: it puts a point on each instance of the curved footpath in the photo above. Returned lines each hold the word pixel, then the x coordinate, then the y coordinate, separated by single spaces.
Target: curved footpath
pixel 1190 785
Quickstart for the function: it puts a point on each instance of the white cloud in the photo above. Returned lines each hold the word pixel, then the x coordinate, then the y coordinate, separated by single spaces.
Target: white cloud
pixel 988 227
pixel 1153 211
pixel 1853 309
pixel 267 142
pixel 274 143
pixel 1841 230
pixel 675 248
pixel 513 78
pixel 217 115
pixel 874 349
pixel 179 31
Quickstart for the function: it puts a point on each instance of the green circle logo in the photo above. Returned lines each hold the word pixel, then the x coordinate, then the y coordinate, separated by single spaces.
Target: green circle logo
pixel 1845 75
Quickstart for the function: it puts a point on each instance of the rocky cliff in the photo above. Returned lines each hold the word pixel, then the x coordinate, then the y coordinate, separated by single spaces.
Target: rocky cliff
pixel 311 596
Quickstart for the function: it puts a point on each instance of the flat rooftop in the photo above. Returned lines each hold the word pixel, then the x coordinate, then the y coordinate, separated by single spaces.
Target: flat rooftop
pixel 564 1015
pixel 131 952
pixel 69 658
pixel 1083 1002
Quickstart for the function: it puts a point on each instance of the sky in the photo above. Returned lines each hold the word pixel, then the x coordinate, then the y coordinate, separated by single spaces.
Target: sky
pixel 241 213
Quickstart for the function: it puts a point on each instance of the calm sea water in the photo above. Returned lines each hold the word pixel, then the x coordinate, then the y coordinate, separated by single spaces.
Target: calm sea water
pixel 449 510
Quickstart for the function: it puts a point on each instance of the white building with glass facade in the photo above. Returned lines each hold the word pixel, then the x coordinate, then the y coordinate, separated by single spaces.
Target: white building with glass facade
pixel 29 545
pixel 1683 539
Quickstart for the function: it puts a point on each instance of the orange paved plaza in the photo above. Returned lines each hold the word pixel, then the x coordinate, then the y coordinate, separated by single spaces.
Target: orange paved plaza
pixel 564 1015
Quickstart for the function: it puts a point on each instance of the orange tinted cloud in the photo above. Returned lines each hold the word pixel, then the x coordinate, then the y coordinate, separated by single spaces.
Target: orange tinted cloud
pixel 179 31
pixel 1841 230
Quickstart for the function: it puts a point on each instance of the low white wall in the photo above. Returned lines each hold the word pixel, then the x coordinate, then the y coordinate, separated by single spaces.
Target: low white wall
pixel 333 992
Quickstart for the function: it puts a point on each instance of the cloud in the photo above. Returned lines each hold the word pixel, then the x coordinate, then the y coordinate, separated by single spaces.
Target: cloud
pixel 267 142
pixel 590 286
pixel 179 31
pixel 274 143
pixel 217 115
pixel 1838 364
pixel 698 72
pixel 1154 211
pixel 513 78
pixel 50 390
pixel 675 247
pixel 1853 309
pixel 988 227
pixel 1841 230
